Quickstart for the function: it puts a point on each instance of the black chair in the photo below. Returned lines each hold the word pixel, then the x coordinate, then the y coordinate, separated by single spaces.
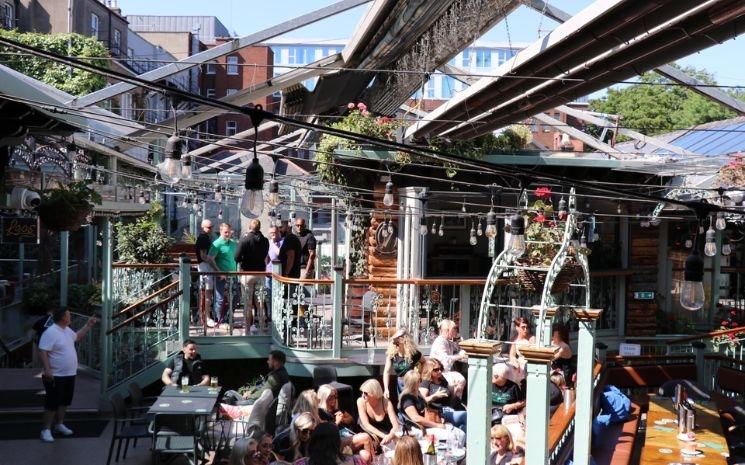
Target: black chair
pixel 176 435
pixel 694 391
pixel 138 398
pixel 125 429
pixel 327 375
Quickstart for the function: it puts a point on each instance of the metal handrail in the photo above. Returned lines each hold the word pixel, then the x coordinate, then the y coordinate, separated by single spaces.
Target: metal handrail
pixel 148 310
pixel 145 299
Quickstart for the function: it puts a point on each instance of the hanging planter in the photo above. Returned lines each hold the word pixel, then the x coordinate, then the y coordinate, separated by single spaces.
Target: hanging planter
pixel 533 280
pixel 66 208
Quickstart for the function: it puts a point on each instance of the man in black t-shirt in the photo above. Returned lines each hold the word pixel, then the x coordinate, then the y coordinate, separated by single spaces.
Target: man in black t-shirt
pixel 307 249
pixel 186 363
pixel 205 263
pixel 289 253
pixel 250 254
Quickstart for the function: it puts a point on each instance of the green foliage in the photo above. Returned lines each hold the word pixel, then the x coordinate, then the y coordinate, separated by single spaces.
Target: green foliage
pixel 143 241
pixel 55 74
pixel 65 207
pixel 188 238
pixel 652 108
pixel 80 297
pixel 512 139
pixel 39 296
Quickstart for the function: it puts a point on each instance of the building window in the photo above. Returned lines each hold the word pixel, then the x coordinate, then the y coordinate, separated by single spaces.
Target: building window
pixel 466 62
pixel 116 43
pixel 292 55
pixel 211 93
pixel 483 58
pixel 94 25
pixel 8 17
pixel 231 127
pixel 233 65
pixel 231 91
pixel 210 67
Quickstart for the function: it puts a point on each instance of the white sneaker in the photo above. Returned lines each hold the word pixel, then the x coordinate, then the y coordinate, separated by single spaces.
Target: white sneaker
pixel 224 326
pixel 63 430
pixel 46 435
pixel 210 323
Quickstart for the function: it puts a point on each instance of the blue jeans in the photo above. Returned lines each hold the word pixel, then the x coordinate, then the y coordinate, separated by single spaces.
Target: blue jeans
pixel 220 299
pixel 456 417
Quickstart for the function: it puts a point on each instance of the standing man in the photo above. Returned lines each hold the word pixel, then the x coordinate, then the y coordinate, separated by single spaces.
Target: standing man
pixel 275 243
pixel 223 249
pixel 205 264
pixel 60 361
pixel 187 363
pixel 251 255
pixel 289 253
pixel 307 249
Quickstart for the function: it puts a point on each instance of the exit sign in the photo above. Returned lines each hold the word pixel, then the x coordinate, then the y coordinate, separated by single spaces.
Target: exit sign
pixel 645 295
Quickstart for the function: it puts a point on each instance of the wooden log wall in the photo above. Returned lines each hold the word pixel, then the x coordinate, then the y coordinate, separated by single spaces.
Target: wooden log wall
pixel 641 315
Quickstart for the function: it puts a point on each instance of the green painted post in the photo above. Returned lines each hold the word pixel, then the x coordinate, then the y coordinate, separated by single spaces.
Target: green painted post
pixel 545 325
pixel 192 222
pixel 338 306
pixel 584 389
pixel 699 349
pixel 537 415
pixel 464 299
pixel 107 303
pixel 480 362
pixel 64 262
pixel 184 273
pixel 277 304
pixel 88 254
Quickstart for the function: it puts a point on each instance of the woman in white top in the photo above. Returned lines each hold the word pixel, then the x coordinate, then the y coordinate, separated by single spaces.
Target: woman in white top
pixel 524 337
pixel 447 351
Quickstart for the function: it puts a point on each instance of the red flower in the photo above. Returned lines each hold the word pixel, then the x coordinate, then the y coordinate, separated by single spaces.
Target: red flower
pixel 552 224
pixel 733 312
pixel 725 323
pixel 563 215
pixel 734 324
pixel 539 218
pixel 543 193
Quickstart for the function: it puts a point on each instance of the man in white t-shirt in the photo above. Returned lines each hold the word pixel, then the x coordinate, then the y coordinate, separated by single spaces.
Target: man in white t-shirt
pixel 60 361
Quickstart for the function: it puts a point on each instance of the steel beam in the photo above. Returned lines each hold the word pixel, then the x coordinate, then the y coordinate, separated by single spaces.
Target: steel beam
pixel 221 50
pixel 699 87
pixel 592 119
pixel 266 146
pixel 227 142
pixel 577 134
pixel 548 10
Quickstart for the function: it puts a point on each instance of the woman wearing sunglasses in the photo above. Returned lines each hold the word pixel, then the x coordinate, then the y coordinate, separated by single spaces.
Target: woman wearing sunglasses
pixel 330 412
pixel 325 448
pixel 246 452
pixel 400 357
pixel 377 415
pixel 435 390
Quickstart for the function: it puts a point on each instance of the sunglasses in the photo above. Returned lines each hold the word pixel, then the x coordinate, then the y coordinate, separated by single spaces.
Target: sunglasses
pixel 436 369
pixel 307 430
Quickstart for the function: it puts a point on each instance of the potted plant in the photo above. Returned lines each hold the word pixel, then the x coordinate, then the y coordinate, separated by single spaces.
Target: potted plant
pixel 66 207
pixel 544 234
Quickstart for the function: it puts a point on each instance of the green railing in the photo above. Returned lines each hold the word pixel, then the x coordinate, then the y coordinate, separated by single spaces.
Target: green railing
pixel 89 348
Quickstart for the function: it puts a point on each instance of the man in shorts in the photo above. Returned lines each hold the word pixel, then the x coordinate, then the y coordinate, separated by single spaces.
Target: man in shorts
pixel 205 263
pixel 60 361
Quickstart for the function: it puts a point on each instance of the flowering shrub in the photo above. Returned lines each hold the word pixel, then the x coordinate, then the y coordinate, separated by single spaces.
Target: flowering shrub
pixel 730 318
pixel 733 173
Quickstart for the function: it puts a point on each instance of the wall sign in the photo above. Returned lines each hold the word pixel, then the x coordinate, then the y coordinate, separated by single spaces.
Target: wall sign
pixel 644 295
pixel 387 241
pixel 19 230
pixel 629 350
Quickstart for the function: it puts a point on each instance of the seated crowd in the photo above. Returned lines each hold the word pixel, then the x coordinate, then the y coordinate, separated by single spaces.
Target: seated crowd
pixel 429 405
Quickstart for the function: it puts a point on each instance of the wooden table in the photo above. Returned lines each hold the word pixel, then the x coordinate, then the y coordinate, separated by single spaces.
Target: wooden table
pixel 194 391
pixel 709 436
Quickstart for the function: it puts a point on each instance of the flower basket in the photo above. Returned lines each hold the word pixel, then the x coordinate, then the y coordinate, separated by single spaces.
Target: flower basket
pixel 533 281
pixel 57 218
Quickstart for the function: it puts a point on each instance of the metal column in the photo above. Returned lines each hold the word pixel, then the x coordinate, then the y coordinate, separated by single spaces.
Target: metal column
pixel 585 384
pixel 106 302
pixel 64 240
pixel 185 300
pixel 537 408
pixel 338 306
pixel 480 363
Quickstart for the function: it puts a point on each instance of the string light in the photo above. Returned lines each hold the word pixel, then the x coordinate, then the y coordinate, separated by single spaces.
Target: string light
pixel 473 240
pixel 710 246
pixel 491 224
pixel 390 226
pixel 218 193
pixel 433 231
pixel 423 225
pixel 726 248
pixel 516 244
pixel 388 196
pixel 441 230
pixel 463 207
pixel 480 229
pixel 273 193
pixel 721 222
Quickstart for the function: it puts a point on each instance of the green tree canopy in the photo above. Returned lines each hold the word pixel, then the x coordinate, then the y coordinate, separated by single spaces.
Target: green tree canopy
pixel 652 108
pixel 55 74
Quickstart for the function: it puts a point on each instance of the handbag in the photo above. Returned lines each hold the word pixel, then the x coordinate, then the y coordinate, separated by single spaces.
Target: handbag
pixel 432 414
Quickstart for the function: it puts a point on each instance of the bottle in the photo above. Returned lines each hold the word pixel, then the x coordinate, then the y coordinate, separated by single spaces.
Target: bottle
pixel 430 456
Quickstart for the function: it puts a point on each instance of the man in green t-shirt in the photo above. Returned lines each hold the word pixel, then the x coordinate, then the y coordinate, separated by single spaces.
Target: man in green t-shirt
pixel 223 250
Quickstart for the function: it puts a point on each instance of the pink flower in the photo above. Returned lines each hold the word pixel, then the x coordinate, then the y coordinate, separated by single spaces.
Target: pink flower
pixel 733 312
pixel 725 323
pixel 552 224
pixel 365 113
pixel 734 324
pixel 539 218
pixel 362 106
pixel 350 105
pixel 543 193
pixel 563 215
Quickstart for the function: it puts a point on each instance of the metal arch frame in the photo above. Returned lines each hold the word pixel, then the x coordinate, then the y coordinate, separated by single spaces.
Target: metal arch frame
pixel 504 260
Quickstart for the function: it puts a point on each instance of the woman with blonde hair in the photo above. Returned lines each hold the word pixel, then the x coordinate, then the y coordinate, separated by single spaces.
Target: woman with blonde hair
pixel 300 432
pixel 401 356
pixel 501 445
pixel 377 415
pixel 411 404
pixel 329 412
pixel 307 402
pixel 434 389
pixel 408 452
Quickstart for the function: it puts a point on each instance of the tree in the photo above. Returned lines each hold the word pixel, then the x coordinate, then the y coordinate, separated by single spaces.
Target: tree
pixel 56 74
pixel 653 108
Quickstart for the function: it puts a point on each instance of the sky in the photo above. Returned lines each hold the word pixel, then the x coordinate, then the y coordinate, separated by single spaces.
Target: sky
pixel 248 16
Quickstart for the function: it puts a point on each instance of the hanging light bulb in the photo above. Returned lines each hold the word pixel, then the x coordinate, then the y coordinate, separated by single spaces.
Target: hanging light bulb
pixel 463 207
pixel 523 199
pixel 433 231
pixel 186 169
pixel 688 243
pixel 195 204
pixel 473 240
pixel 710 246
pixel 423 225
pixel 384 229
pixel 701 229
pixel 219 214
pixel 185 203
pixel 170 168
pixel 147 196
pixel 278 221
pixel 516 244
pixel 293 215
pixel 692 291
pixel 562 208
pixel 218 193
pixel 491 224
pixel 441 230
pixel 252 203
pixel 726 248
pixel 721 221
pixel 273 193
pixel 141 198
pixel 480 229
pixel 618 208
pixel 390 226
pixel 388 197
pixel 583 240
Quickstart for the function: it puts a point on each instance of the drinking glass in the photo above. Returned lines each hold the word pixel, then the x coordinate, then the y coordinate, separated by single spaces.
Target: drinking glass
pixel 213 382
pixel 185 384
